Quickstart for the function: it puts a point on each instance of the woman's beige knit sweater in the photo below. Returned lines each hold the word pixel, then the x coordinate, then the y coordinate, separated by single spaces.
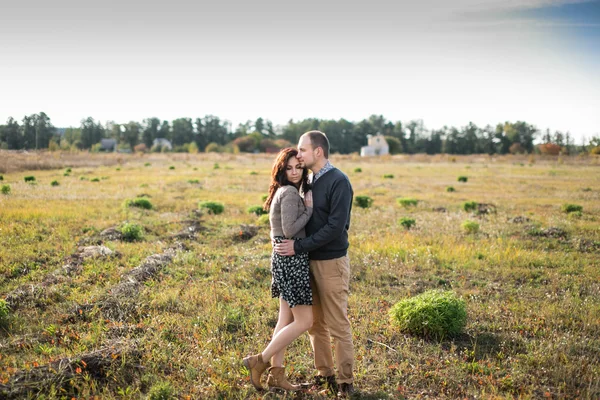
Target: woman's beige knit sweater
pixel 288 214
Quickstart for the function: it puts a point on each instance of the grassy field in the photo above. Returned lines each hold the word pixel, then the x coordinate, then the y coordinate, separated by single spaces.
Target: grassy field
pixel 170 315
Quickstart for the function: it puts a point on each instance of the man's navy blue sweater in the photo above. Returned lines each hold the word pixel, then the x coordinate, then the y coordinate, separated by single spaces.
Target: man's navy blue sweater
pixel 327 229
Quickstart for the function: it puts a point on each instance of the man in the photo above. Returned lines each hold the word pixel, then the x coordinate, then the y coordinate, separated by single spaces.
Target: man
pixel 327 245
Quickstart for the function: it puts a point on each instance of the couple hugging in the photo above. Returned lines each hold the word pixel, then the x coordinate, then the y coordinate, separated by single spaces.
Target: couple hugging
pixel 310 266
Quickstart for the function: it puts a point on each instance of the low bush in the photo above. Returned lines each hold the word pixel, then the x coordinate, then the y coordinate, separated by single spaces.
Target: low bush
pixel 140 202
pixel 450 189
pixel 95 180
pixel 54 183
pixel 470 226
pixel 1 177
pixel 162 391
pixel 407 222
pixel 147 164
pixel 363 201
pixel 258 210
pixel 407 201
pixel 4 314
pixel 264 197
pixel 5 189
pixel 68 170
pixel 433 314
pixel 253 173
pixel 30 178
pixel 264 219
pixel 569 208
pixel 463 179
pixel 358 170
pixel 131 232
pixel 469 206
pixel 216 166
pixel 66 174
pixel 172 167
pixel 213 207
pixel 193 181
pixel 388 176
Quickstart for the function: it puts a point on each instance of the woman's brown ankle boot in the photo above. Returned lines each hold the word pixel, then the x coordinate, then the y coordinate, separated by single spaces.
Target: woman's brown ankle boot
pixel 256 366
pixel 278 380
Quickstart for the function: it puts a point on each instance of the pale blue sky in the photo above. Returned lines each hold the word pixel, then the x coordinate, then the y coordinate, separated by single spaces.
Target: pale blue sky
pixel 448 63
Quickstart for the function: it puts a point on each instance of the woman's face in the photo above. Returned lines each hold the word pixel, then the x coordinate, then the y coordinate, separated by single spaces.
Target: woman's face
pixel 293 171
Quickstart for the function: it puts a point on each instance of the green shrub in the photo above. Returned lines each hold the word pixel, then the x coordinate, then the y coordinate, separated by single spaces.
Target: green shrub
pixel 83 178
pixel 1 177
pixel 216 166
pixel 193 181
pixel 258 210
pixel 575 214
pixel 5 189
pixel 388 176
pixel 450 189
pixel 463 179
pixel 264 219
pixel 30 178
pixel 162 391
pixel 264 197
pixel 4 313
pixel 132 232
pixel 407 201
pixel 66 174
pixel 253 173
pixel 407 222
pixel 433 314
pixel 470 226
pixel 147 164
pixel 357 169
pixel 470 206
pixel 140 202
pixel 213 207
pixel 363 201
pixel 95 180
pixel 54 183
pixel 68 170
pixel 569 208
pixel 172 167
pixel 117 169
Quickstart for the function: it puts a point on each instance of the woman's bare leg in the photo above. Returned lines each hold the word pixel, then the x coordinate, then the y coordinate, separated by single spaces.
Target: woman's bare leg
pixel 303 320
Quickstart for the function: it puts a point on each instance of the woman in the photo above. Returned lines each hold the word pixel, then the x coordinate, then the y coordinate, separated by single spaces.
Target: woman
pixel 287 214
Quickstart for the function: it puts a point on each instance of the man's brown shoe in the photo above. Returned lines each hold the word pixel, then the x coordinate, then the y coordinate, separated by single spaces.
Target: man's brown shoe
pixel 256 366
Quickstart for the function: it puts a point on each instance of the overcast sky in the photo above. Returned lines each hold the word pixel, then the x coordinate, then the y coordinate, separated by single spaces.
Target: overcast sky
pixel 446 62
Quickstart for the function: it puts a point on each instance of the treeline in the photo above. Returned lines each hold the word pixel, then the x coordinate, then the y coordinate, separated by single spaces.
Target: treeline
pixel 211 134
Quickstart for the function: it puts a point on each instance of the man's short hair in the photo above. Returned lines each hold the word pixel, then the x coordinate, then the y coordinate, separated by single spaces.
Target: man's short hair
pixel 319 139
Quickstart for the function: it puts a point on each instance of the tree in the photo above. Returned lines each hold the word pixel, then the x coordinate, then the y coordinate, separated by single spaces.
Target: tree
pixel 131 135
pixel 92 132
pixel 44 130
pixel 28 132
pixel 165 131
pixel 152 126
pixel 10 134
pixel 394 144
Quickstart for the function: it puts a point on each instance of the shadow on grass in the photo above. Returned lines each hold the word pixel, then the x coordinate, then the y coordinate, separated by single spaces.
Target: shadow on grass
pixel 487 344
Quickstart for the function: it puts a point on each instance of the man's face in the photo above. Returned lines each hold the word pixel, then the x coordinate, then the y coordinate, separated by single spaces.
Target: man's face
pixel 306 153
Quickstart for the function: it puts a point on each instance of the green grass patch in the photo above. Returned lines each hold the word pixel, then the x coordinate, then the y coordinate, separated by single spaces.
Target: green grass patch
pixel 5 189
pixel 433 314
pixel 213 207
pixel 140 202
pixel 407 202
pixel 569 208
pixel 257 210
pixel 470 226
pixel 363 201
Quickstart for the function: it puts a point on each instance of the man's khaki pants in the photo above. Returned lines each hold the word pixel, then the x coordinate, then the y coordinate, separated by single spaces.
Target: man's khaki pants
pixel 330 281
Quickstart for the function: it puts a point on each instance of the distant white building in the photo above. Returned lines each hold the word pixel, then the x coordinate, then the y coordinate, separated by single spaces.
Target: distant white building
pixel 377 146
pixel 163 143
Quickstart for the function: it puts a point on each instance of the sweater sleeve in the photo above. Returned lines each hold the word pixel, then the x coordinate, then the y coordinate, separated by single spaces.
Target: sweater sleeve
pixel 341 201
pixel 291 222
